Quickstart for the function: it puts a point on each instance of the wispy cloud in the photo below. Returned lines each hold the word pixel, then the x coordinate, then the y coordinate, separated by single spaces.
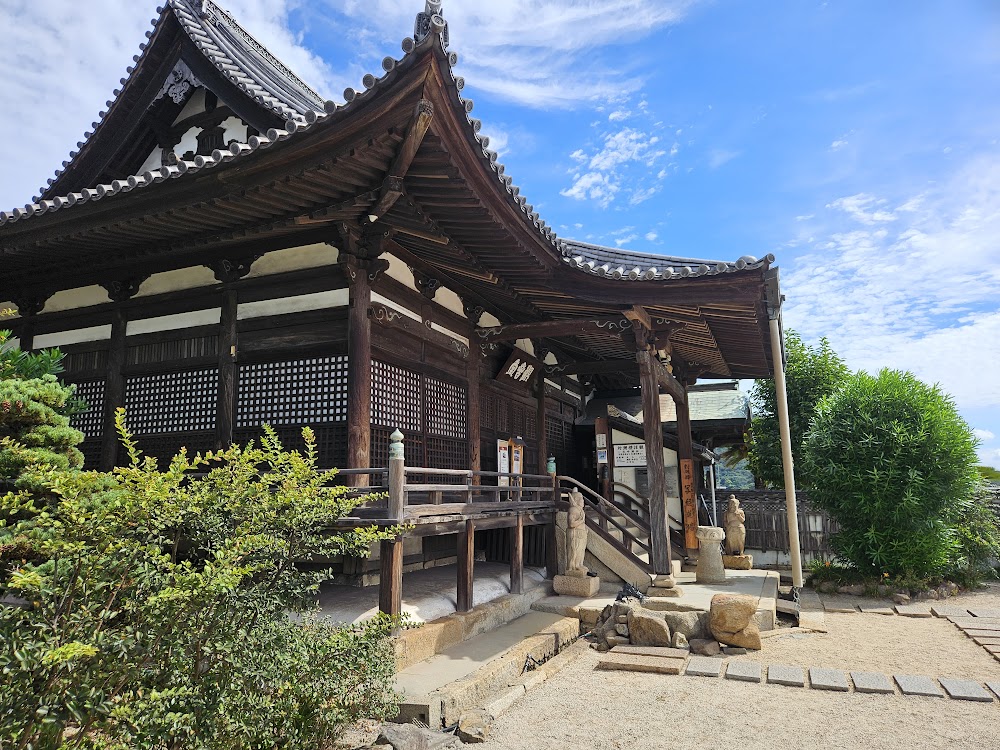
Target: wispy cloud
pixel 983 435
pixel 717 157
pixel 601 172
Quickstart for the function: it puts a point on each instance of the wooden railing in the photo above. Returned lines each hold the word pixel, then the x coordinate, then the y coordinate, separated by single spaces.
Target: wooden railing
pixel 605 518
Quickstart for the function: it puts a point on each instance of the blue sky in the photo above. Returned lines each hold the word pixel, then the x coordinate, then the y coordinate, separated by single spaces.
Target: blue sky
pixel 857 141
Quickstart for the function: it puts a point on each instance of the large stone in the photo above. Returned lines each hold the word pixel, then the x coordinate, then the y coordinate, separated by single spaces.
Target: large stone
pixel 730 613
pixel 911 684
pixel 743 671
pixel 854 589
pixel 474 726
pixel 689 624
pixel 828 679
pixel 704 647
pixel 737 562
pixel 412 737
pixel 710 568
pixel 647 628
pixel 780 674
pixel 703 666
pixel 638 663
pixel 576 586
pixel 679 640
pixel 749 637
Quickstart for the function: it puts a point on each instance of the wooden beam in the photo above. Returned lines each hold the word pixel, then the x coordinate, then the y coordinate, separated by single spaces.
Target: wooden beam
pixel 593 367
pixel 392 187
pixel 638 314
pixel 659 535
pixel 466 562
pixel 551 551
pixel 226 408
pixel 390 584
pixel 114 389
pixel 666 381
pixel 607 324
pixel 517 557
pixel 541 438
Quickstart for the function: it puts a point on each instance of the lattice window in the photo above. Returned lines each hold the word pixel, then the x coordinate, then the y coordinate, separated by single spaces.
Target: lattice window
pixel 487 415
pixel 396 401
pixel 296 392
pixel 446 414
pixel 91 450
pixel 172 401
pixel 413 448
pixel 520 415
pixel 331 441
pixel 501 411
pixel 530 426
pixel 86 361
pixel 171 351
pixel 91 421
pixel 166 446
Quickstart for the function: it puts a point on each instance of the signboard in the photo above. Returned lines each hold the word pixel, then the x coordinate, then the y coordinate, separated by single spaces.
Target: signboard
pixel 503 462
pixel 630 454
pixel 688 503
pixel 516 456
pixel 602 456
pixel 518 370
pixel 602 440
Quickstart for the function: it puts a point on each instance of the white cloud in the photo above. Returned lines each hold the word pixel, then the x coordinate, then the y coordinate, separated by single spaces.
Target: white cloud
pixel 626 240
pixel 838 144
pixel 983 435
pixel 915 289
pixel 499 139
pixel 651 236
pixel 618 115
pixel 717 157
pixel 606 167
pixel 641 195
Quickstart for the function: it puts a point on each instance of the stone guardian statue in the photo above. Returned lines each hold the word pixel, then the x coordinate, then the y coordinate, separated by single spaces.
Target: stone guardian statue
pixel 576 536
pixel 734 521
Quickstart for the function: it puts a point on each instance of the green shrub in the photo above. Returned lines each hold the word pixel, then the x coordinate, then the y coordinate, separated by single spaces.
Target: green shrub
pixel 166 609
pixel 891 460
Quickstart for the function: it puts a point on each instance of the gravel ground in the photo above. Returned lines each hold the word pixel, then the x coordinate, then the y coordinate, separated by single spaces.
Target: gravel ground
pixel 881 643
pixel 583 708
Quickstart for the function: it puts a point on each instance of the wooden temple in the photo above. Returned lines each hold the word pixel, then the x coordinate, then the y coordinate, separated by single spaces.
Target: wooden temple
pixel 226 248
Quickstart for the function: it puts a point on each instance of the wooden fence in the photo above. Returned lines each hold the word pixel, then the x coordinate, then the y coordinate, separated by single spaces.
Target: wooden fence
pixel 767 522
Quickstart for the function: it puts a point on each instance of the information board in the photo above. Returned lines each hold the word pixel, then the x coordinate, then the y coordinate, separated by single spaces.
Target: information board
pixel 630 454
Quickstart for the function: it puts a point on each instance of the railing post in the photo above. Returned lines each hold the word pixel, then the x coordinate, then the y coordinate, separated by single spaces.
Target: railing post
pixel 397 477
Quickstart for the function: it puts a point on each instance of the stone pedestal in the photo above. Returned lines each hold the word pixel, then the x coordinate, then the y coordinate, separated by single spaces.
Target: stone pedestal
pixel 584 586
pixel 663 586
pixel 710 568
pixel 737 562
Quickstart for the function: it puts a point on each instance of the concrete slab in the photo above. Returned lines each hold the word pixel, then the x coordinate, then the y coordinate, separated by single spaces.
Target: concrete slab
pixel 994 685
pixel 914 610
pixel 811 613
pixel 948 610
pixel 586 609
pixel 977 633
pixel 911 684
pixel 427 594
pixel 878 610
pixel 986 640
pixel 828 679
pixel 872 682
pixel 965 690
pixel 704 666
pixel 744 671
pixel 658 651
pixel 993 649
pixel 781 674
pixel 636 663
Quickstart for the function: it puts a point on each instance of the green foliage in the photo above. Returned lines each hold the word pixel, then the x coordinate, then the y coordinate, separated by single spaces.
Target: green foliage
pixel 977 526
pixel 34 412
pixel 989 473
pixel 811 372
pixel 167 609
pixel 892 461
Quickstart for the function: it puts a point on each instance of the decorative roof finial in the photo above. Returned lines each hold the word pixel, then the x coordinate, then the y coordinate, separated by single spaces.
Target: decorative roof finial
pixel 431 21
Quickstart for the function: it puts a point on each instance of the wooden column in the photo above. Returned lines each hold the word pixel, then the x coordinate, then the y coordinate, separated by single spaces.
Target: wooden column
pixel 517 556
pixel 26 334
pixel 114 389
pixel 605 481
pixel 551 551
pixel 390 584
pixel 652 427
pixel 226 411
pixel 359 374
pixel 685 466
pixel 466 561
pixel 541 437
pixel 473 415
pixel 28 304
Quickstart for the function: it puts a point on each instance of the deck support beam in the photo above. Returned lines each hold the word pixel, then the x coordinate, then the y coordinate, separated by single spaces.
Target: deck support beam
pixel 466 562
pixel 517 556
pixel 390 584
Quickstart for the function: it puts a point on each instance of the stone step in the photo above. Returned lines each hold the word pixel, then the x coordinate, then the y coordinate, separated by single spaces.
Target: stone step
pixel 621 662
pixel 663 652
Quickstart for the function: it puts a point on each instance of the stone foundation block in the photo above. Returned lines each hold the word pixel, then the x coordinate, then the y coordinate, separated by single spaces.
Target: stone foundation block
pixel 737 562
pixel 574 586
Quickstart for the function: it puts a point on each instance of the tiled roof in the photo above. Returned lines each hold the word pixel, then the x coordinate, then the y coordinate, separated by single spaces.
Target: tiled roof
pixel 616 263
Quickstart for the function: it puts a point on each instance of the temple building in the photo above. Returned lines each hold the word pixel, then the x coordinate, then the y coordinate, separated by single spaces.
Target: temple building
pixel 226 248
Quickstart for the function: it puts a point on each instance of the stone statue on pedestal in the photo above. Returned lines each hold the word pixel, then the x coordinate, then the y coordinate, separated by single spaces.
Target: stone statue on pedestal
pixel 576 536
pixel 734 521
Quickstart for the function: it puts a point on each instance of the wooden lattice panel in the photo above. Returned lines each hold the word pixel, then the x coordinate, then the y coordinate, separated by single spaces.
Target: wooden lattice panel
pixel 91 421
pixel 446 410
pixel 166 446
pixel 295 392
pixel 171 351
pixel 331 441
pixel 396 398
pixel 85 361
pixel 172 401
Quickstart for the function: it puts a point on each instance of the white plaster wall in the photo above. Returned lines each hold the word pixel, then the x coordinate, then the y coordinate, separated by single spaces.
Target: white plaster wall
pixel 450 301
pixel 376 297
pixel 297 303
pixel 153 161
pixel 293 259
pixel 14 343
pixel 489 321
pixel 70 299
pixel 195 105
pixel 188 142
pixel 525 345
pixel 211 316
pixel 401 272
pixel 234 130
pixel 550 359
pixel 174 281
pixel 75 336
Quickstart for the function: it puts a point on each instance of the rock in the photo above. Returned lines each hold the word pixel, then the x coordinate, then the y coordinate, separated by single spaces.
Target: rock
pixel 474 726
pixel 621 619
pixel 737 562
pixel 734 651
pixel 621 629
pixel 924 596
pixel 943 591
pixel 679 640
pixel 826 587
pixel 690 624
pixel 646 628
pixel 412 737
pixel 901 598
pixel 749 637
pixel 617 640
pixel 730 613
pixel 704 647
pixel 855 589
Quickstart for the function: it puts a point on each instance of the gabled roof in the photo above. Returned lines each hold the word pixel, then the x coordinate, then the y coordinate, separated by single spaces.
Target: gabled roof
pixel 193 43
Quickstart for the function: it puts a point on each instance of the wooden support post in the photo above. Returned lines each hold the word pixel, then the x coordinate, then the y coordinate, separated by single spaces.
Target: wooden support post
pixel 390 584
pixel 605 471
pixel 26 334
pixel 466 573
pixel 472 410
pixel 541 438
pixel 359 375
pixel 652 427
pixel 114 389
pixel 517 556
pixel 397 477
pixel 685 465
pixel 226 409
pixel 551 551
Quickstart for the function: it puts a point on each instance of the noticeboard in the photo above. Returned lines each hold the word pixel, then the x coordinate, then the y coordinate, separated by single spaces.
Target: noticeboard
pixel 630 454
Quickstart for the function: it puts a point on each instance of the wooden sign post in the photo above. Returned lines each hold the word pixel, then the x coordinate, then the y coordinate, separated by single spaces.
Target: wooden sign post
pixel 688 503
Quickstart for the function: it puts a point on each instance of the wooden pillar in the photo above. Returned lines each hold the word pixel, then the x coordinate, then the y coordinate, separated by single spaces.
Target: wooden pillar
pixel 787 465
pixel 473 415
pixel 390 583
pixel 359 375
pixel 226 411
pixel 114 389
pixel 541 437
pixel 551 551
pixel 466 561
pixel 652 427
pixel 26 334
pixel 606 471
pixel 517 556
pixel 685 466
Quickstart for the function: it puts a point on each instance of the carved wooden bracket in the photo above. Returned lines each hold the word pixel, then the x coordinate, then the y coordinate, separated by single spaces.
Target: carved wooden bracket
pixel 120 290
pixel 427 284
pixel 473 311
pixel 228 270
pixel 30 302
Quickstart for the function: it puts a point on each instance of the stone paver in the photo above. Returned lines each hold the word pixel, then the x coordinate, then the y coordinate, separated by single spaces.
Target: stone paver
pixel 781 674
pixel 965 690
pixel 872 682
pixel 992 649
pixel 986 641
pixel 948 610
pixel 828 679
pixel 985 612
pixel 977 633
pixel 744 671
pixel 843 608
pixel 994 685
pixel 634 663
pixel 878 610
pixel 662 651
pixel 704 666
pixel 914 610
pixel 918 685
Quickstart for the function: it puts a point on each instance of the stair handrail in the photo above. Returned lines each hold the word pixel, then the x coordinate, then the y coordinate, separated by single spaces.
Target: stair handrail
pixel 602 506
pixel 644 501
